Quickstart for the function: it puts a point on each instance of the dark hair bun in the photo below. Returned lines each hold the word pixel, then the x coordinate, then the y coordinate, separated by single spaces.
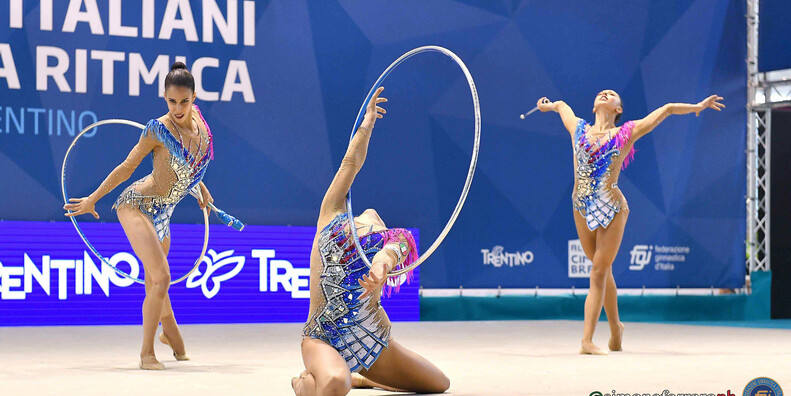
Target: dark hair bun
pixel 178 65
pixel 180 76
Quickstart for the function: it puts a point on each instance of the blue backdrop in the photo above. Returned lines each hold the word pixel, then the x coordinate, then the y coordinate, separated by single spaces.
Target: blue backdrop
pixel 774 33
pixel 281 84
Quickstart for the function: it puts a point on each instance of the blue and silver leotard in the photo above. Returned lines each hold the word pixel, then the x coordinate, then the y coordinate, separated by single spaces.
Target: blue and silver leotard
pixel 593 196
pixel 357 328
pixel 176 171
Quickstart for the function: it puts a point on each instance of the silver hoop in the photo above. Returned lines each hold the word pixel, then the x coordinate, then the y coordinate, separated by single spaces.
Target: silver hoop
pixel 77 225
pixel 470 172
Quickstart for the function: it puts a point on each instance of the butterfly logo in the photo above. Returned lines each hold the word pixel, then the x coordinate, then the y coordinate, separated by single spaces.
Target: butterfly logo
pixel 214 261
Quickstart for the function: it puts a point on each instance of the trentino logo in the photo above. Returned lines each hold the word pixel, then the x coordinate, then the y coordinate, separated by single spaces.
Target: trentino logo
pixel 87 272
pixel 16 282
pixel 497 257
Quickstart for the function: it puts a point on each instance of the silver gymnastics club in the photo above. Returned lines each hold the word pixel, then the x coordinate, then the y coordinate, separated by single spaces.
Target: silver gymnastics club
pixel 522 116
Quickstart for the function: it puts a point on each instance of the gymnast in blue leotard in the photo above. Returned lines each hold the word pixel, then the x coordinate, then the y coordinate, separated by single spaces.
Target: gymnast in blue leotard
pixel 347 330
pixel 181 145
pixel 601 151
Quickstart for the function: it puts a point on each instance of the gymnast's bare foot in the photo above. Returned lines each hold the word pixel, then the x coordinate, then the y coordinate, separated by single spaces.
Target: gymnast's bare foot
pixel 615 339
pixel 360 382
pixel 294 383
pixel 179 356
pixel 296 380
pixel 150 362
pixel 588 348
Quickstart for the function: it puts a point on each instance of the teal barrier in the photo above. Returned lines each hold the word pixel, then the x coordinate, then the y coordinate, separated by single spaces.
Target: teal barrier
pixel 647 308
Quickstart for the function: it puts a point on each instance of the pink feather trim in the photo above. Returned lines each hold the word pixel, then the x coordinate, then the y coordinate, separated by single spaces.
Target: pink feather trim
pixel 208 132
pixel 394 236
pixel 622 138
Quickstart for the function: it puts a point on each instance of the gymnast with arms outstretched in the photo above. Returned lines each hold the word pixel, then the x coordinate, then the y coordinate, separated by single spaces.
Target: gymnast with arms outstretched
pixel 182 146
pixel 347 330
pixel 601 150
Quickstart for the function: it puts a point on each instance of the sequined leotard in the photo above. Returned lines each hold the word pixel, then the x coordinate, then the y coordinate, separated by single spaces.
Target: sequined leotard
pixel 357 328
pixel 176 171
pixel 593 196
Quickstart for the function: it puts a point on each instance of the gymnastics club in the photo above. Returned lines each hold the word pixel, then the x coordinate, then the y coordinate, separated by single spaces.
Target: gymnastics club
pixel 522 116
pixel 227 219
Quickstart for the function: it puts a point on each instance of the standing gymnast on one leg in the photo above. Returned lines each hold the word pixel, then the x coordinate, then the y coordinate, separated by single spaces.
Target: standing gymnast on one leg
pixel 347 329
pixel 182 146
pixel 600 207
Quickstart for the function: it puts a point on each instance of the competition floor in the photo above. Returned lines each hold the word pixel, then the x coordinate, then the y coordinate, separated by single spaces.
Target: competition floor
pixel 481 358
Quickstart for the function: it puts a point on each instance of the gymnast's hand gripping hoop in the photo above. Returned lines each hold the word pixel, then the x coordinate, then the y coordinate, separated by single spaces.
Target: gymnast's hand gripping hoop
pixel 473 161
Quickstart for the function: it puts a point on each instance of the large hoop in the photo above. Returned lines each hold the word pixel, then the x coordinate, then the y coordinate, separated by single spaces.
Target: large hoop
pixel 470 172
pixel 77 225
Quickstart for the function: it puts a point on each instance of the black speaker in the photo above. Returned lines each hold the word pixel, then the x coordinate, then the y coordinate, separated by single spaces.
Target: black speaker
pixel 780 216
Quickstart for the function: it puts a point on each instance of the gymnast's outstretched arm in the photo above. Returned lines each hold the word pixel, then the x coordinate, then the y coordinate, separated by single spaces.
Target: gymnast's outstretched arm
pixel 120 174
pixel 644 126
pixel 333 201
pixel 570 120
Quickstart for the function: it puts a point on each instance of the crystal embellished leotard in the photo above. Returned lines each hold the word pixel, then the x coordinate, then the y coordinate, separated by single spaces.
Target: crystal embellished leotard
pixel 357 328
pixel 176 171
pixel 593 196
